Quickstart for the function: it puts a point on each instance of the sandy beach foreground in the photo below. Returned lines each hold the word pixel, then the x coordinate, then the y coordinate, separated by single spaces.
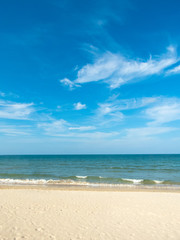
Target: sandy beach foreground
pixel 61 214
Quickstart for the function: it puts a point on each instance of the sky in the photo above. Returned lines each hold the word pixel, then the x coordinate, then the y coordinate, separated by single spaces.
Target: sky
pixel 89 77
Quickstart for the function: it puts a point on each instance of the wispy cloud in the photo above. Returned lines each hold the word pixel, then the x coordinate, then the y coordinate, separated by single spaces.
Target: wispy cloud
pixel 12 130
pixel 167 110
pixel 175 70
pixel 108 112
pixel 79 106
pixel 113 109
pixel 54 127
pixel 147 131
pixel 83 128
pixel 116 70
pixel 133 103
pixel 62 128
pixel 13 110
pixel 161 114
pixel 69 83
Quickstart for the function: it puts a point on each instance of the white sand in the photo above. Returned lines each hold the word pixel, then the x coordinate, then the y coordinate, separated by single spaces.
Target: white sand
pixel 58 214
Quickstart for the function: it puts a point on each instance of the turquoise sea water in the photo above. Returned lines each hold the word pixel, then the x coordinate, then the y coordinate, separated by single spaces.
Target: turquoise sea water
pixel 91 169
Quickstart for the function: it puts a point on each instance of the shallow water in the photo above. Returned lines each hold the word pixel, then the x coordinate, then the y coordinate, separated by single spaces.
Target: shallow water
pixel 91 169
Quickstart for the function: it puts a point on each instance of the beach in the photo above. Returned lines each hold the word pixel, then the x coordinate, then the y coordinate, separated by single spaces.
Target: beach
pixel 52 213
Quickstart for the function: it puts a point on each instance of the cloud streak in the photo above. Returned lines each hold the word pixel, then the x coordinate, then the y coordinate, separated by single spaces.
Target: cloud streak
pixel 62 128
pixel 83 128
pixel 11 130
pixel 147 131
pixel 117 70
pixel 13 110
pixel 175 70
pixel 164 111
pixel 113 109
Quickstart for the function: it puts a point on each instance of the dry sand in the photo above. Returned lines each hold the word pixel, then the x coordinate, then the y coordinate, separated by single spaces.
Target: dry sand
pixel 61 214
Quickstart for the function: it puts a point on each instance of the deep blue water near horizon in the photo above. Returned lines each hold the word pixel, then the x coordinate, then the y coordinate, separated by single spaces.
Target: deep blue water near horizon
pixel 108 169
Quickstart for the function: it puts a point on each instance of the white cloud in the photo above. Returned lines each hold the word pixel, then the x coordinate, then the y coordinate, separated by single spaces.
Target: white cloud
pixel 116 70
pixel 12 110
pixel 106 108
pixel 109 109
pixel 11 130
pixel 58 127
pixel 61 128
pixel 134 103
pixel 107 115
pixel 79 106
pixel 69 83
pixel 95 135
pixel 167 110
pixel 147 131
pixel 164 111
pixel 175 70
pixel 54 127
pixel 83 128
pixel 113 108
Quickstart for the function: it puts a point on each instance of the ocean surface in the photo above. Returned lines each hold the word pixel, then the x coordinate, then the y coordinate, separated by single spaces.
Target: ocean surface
pixel 91 170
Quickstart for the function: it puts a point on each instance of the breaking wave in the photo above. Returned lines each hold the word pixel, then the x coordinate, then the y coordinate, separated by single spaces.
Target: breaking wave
pixel 90 181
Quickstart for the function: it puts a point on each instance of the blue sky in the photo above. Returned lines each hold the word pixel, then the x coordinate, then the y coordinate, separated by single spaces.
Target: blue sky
pixel 89 76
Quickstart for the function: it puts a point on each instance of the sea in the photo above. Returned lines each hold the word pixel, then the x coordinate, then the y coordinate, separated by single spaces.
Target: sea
pixel 91 170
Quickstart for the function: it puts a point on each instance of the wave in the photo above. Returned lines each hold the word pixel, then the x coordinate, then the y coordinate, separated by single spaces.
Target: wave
pixel 89 181
pixel 143 181
pixel 135 181
pixel 81 176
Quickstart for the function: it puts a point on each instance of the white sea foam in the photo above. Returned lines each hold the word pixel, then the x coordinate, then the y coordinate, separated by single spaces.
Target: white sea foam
pixel 81 176
pixel 65 181
pixel 22 181
pixel 158 181
pixel 38 181
pixel 135 181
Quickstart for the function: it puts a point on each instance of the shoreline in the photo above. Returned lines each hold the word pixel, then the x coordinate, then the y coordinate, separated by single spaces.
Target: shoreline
pixel 71 187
